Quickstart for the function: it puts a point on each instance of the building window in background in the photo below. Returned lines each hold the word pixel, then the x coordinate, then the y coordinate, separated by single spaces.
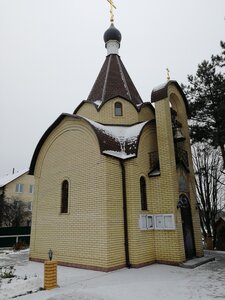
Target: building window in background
pixel 31 188
pixel 19 188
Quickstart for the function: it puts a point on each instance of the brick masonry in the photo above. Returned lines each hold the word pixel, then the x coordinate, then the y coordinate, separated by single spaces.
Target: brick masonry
pixel 91 234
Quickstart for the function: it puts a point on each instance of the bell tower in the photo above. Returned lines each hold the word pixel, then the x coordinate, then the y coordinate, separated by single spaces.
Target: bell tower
pixel 175 158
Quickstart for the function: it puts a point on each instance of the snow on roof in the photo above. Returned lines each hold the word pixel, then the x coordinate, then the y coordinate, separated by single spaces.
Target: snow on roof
pixel 98 102
pixel 121 154
pixel 155 172
pixel 8 178
pixel 120 132
pixel 159 87
pixel 119 141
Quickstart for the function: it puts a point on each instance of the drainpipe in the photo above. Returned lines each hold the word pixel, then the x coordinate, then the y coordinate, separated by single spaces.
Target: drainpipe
pixel 126 244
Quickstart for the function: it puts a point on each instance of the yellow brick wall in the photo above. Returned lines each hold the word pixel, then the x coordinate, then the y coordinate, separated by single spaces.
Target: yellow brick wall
pixel 115 230
pixel 164 189
pixel 141 242
pixel 145 114
pixel 71 153
pixel 91 234
pixel 106 114
pixel 168 181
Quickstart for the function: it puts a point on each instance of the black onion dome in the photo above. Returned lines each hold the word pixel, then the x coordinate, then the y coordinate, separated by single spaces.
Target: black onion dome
pixel 112 33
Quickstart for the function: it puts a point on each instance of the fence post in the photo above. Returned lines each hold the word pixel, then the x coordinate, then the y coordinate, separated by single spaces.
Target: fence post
pixel 50 274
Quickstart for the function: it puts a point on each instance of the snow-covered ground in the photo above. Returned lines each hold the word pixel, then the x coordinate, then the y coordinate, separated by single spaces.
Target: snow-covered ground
pixel 155 282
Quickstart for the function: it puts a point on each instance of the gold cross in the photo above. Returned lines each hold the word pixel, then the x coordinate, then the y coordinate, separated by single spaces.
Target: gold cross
pixel 111 10
pixel 168 74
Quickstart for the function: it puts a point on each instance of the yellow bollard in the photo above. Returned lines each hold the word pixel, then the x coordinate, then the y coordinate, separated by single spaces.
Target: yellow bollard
pixel 50 274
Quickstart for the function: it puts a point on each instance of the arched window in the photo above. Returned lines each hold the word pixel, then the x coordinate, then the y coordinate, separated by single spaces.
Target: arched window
pixel 64 196
pixel 143 193
pixel 118 109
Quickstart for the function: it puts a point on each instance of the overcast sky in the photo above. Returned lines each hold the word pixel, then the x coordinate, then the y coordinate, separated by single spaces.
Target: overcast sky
pixel 51 52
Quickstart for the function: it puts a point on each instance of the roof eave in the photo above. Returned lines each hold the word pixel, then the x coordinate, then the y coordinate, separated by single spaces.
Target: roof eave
pixel 162 93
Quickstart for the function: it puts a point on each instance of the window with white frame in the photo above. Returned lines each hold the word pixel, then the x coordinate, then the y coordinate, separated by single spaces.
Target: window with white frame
pixel 19 188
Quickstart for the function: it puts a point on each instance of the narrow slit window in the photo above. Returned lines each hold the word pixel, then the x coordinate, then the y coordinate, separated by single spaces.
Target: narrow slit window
pixel 118 109
pixel 64 197
pixel 143 193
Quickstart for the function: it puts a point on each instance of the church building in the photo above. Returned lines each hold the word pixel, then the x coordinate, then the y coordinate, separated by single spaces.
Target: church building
pixel 114 181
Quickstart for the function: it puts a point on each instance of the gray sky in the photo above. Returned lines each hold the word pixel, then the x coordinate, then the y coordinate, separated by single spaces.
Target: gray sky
pixel 52 50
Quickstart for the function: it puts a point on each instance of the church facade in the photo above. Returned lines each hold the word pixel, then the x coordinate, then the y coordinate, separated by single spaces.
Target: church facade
pixel 114 182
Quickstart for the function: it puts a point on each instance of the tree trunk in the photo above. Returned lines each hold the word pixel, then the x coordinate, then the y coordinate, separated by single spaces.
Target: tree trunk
pixel 209 243
pixel 223 154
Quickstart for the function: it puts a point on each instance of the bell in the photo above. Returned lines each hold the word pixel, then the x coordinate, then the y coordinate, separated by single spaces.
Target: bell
pixel 178 136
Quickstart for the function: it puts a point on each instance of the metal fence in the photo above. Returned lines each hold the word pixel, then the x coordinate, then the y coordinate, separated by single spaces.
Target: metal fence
pixel 9 236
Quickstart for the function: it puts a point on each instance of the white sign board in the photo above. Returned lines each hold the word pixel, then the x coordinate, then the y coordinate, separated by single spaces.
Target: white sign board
pixel 157 222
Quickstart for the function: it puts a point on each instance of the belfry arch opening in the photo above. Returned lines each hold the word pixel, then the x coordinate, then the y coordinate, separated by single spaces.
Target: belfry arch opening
pixel 187 225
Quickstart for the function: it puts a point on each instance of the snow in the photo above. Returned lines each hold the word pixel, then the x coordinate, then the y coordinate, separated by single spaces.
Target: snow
pixel 124 135
pixel 98 102
pixel 159 87
pixel 121 154
pixel 8 178
pixel 149 283
pixel 155 172
pixel 119 132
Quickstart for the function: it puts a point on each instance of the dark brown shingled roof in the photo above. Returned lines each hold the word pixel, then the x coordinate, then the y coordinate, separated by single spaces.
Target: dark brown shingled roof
pixel 160 92
pixel 114 81
pixel 120 142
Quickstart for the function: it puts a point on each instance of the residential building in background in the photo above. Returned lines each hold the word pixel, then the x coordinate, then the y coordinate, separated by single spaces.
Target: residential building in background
pixel 17 188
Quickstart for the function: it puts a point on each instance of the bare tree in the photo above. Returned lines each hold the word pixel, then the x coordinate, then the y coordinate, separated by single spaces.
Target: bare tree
pixel 15 212
pixel 210 186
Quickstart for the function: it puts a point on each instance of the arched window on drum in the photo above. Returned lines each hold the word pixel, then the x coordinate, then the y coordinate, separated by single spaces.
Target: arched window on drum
pixel 118 109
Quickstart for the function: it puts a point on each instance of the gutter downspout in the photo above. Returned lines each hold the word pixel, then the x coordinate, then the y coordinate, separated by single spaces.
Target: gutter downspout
pixel 126 244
